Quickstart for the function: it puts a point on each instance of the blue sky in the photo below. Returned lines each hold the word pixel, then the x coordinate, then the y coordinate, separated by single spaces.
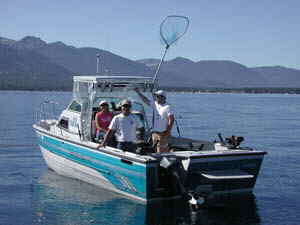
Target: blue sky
pixel 252 32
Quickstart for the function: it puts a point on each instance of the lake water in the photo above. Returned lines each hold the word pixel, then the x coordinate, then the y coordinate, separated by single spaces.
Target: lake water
pixel 32 194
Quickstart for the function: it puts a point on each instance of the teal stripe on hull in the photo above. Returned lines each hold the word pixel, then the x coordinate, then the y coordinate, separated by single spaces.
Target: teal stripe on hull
pixel 130 178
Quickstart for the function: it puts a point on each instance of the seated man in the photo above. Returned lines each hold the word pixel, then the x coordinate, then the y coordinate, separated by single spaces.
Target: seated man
pixel 124 126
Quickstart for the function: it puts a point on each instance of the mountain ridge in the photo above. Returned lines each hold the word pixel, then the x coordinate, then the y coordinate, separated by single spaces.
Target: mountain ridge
pixel 66 60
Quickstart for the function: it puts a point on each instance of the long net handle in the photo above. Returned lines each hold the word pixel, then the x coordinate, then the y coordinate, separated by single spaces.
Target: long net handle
pixel 161 61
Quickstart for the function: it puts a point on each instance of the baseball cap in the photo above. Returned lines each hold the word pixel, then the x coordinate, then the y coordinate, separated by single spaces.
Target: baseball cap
pixel 125 102
pixel 103 102
pixel 161 93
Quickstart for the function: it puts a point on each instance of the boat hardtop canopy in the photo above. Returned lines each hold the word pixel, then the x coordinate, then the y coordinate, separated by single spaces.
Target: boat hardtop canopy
pixel 113 83
pixel 113 79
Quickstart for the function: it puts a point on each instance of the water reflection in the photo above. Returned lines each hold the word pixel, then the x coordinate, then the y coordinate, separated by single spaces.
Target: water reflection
pixel 240 210
pixel 60 200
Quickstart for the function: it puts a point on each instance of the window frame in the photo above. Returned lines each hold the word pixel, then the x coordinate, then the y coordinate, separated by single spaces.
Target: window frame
pixel 67 123
pixel 72 109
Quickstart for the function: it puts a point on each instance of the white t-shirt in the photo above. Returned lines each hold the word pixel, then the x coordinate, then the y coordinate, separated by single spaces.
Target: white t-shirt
pixel 125 127
pixel 161 113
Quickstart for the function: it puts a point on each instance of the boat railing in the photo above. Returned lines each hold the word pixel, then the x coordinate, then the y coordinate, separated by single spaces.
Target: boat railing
pixel 48 110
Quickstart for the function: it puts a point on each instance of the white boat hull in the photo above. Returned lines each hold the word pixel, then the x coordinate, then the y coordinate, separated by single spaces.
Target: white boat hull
pixel 74 170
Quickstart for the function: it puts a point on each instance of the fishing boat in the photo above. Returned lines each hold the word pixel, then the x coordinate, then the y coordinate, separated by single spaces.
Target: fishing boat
pixel 193 169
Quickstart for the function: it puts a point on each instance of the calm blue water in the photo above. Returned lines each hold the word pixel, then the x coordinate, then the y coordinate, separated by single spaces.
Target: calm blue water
pixel 32 194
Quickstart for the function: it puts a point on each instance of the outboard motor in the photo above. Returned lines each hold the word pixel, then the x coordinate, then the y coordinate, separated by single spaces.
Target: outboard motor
pixel 173 168
pixel 172 177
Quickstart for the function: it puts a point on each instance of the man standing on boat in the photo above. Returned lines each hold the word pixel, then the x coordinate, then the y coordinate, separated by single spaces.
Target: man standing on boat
pixel 163 119
pixel 124 126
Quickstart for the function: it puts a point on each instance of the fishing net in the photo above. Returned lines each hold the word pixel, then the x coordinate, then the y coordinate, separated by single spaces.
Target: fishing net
pixel 173 28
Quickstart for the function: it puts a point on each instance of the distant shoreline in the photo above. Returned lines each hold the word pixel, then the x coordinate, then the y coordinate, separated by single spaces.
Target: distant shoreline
pixel 238 90
pixel 192 90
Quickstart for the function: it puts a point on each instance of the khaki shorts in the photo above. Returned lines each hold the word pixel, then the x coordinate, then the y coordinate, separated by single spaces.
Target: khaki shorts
pixel 162 144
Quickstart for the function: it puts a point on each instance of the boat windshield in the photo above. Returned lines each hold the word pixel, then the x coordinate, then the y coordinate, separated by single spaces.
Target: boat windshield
pixel 137 108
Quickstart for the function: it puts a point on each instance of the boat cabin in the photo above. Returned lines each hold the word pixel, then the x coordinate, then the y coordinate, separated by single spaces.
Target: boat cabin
pixel 78 119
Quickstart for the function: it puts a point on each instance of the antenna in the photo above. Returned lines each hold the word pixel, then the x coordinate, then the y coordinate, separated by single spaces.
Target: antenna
pixel 98 61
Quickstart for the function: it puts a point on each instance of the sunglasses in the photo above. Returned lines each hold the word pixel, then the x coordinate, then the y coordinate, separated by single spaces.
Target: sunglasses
pixel 104 105
pixel 126 106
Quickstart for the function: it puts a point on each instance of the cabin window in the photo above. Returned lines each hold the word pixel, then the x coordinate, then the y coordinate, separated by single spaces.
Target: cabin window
pixel 64 123
pixel 75 106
